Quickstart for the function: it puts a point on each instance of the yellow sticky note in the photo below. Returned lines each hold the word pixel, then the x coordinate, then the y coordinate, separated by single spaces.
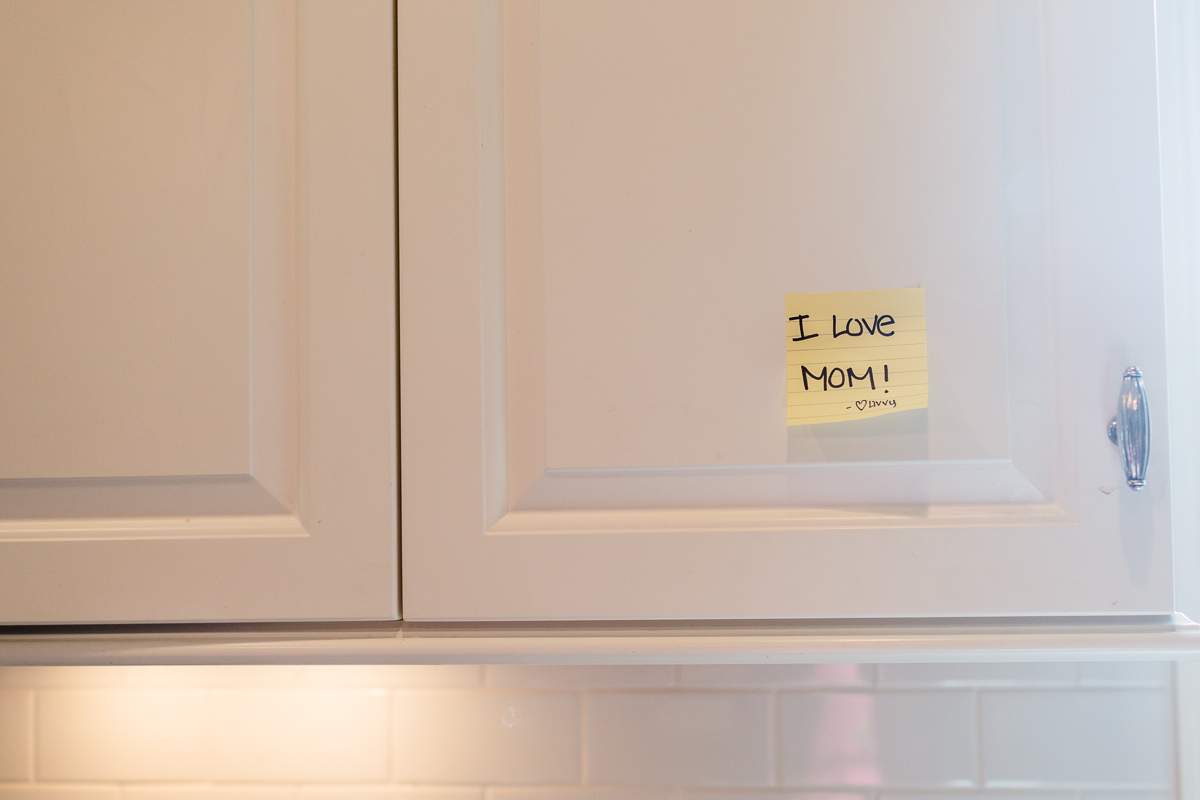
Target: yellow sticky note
pixel 852 355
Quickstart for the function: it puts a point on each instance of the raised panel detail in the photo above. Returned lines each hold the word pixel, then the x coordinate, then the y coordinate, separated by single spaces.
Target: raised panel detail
pixel 150 322
pixel 197 322
pixel 671 170
pixel 126 159
pixel 603 205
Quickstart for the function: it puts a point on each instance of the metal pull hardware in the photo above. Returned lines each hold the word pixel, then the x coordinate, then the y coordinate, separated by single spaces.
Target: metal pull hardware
pixel 1129 430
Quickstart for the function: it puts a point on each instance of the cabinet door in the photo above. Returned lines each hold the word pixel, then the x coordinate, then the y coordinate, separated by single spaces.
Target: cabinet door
pixel 602 208
pixel 197 326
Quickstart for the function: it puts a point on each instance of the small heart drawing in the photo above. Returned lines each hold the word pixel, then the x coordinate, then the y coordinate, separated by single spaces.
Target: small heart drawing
pixel 861 404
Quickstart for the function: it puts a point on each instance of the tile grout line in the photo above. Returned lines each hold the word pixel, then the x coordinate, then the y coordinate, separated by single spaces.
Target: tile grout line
pixel 210 737
pixel 778 751
pixel 980 771
pixel 773 736
pixel 1172 695
pixel 31 734
pixel 584 742
pixel 393 767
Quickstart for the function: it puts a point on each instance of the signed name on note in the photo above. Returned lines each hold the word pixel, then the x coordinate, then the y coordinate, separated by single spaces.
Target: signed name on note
pixel 852 355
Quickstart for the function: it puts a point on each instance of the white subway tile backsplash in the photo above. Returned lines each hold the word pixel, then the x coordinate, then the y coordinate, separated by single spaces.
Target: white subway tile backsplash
pixel 209 792
pixel 984 795
pixel 16 713
pixel 580 677
pixel 389 793
pixel 679 738
pixel 771 794
pixel 52 792
pixel 1004 674
pixel 577 793
pixel 386 675
pixel 121 735
pixel 776 675
pixel 1077 738
pixel 486 737
pixel 1124 673
pixel 45 677
pixel 264 675
pixel 1097 731
pixel 315 735
pixel 917 739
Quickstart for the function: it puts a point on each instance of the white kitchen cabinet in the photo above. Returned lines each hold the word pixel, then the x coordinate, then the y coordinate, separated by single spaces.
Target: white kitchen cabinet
pixel 602 207
pixel 197 311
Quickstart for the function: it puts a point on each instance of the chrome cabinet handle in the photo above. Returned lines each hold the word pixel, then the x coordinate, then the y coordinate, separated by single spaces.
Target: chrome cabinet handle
pixel 1129 430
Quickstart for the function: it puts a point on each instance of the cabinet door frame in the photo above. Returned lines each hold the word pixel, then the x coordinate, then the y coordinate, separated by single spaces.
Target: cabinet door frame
pixel 472 552
pixel 310 532
pixel 1179 97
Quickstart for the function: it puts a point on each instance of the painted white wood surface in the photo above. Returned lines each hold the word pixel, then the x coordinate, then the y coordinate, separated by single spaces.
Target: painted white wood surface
pixel 1179 93
pixel 197 389
pixel 602 206
pixel 1108 639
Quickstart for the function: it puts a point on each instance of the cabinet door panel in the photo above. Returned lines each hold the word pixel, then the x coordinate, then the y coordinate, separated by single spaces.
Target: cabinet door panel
pixel 130 197
pixel 196 313
pixel 602 208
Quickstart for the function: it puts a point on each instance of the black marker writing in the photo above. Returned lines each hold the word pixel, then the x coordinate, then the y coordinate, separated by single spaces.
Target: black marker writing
pixel 823 377
pixel 800 319
pixel 862 326
pixel 870 373
pixel 837 377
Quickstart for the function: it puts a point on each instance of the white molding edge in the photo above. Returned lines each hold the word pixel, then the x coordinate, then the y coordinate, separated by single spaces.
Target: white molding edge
pixel 267 526
pixel 1187 730
pixel 1179 120
pixel 1172 639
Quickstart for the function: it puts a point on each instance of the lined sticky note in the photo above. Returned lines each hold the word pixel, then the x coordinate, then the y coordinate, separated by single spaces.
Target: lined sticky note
pixel 852 355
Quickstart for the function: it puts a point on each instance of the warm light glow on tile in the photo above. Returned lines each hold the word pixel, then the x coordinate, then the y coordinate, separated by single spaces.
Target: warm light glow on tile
pixel 700 732
pixel 300 735
pixel 16 719
pixel 122 734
